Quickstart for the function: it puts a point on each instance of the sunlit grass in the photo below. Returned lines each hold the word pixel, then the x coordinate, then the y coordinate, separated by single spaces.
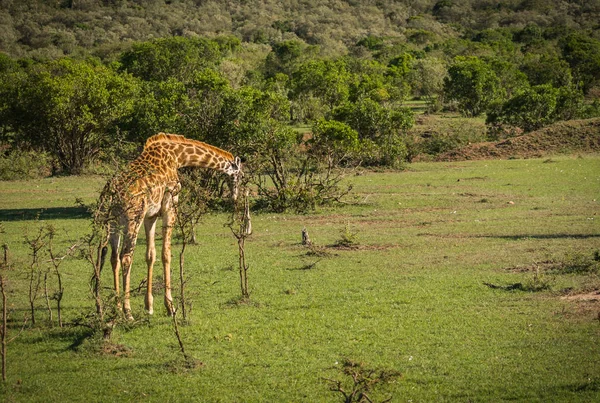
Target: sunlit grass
pixel 409 295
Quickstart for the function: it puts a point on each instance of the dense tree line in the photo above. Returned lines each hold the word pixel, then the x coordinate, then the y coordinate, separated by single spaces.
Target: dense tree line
pixel 205 88
pixel 244 92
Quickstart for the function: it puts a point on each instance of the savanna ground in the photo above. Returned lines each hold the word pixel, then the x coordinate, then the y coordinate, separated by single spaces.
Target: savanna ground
pixel 407 293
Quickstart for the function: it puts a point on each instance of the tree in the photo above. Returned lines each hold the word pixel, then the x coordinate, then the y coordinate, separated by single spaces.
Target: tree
pixel 325 80
pixel 510 78
pixel 174 57
pixel 207 92
pixel 192 109
pixel 160 107
pixel 472 84
pixel 245 119
pixel 569 103
pixel 583 54
pixel 12 77
pixel 531 36
pixel 76 104
pixel 427 80
pixel 379 82
pixel 333 141
pixel 498 40
pixel 379 129
pixel 285 56
pixel 546 68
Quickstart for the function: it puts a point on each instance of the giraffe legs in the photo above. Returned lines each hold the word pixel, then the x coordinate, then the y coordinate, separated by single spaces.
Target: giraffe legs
pixel 150 227
pixel 124 259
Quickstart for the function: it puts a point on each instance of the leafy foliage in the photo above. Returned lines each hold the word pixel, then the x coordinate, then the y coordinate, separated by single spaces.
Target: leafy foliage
pixel 167 58
pixel 77 104
pixel 24 165
pixel 472 84
pixel 325 80
pixel 334 141
pixel 538 106
pixel 380 130
pixel 427 80
pixel 583 55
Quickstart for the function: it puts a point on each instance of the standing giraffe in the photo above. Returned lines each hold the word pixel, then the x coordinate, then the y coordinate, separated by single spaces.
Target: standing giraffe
pixel 148 190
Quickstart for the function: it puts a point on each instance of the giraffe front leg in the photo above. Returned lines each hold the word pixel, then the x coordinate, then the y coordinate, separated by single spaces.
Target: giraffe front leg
pixel 168 223
pixel 150 227
pixel 126 262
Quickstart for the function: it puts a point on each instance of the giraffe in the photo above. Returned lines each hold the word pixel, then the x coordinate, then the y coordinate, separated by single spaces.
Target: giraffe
pixel 147 190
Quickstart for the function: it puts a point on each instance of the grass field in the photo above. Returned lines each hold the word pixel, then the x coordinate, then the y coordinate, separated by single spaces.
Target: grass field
pixel 408 295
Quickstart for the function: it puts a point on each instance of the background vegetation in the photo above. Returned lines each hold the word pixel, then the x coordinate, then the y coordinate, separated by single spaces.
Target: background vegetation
pixel 102 76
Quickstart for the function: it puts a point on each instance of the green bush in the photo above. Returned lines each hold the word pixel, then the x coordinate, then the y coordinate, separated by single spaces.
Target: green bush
pixel 77 106
pixel 473 85
pixel 333 141
pixel 18 165
pixel 380 130
pixel 536 107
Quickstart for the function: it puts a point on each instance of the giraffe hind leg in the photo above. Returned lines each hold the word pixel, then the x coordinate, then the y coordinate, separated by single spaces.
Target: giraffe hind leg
pixel 129 241
pixel 115 261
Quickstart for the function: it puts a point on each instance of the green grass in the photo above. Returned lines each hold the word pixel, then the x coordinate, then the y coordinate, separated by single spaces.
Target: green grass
pixel 409 296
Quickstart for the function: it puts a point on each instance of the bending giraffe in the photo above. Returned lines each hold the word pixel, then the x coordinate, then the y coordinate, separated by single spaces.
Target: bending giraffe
pixel 147 190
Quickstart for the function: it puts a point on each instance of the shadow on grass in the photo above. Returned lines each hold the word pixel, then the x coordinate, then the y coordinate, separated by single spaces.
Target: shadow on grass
pixel 518 237
pixel 590 385
pixel 541 236
pixel 533 286
pixel 73 335
pixel 52 213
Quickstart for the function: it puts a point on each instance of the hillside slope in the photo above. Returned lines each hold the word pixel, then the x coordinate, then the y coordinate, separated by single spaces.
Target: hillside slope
pixel 51 29
pixel 571 136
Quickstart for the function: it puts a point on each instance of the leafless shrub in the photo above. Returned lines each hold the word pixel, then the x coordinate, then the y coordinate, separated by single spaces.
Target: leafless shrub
pixel 192 203
pixel 359 382
pixel 56 261
pixel 36 244
pixel 241 228
pixel 46 261
pixel 94 248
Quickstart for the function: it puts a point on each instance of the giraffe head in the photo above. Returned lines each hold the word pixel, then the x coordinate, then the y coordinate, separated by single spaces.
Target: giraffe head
pixel 234 169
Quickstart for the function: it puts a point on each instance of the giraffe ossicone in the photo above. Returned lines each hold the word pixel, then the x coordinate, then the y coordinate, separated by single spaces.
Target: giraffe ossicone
pixel 146 191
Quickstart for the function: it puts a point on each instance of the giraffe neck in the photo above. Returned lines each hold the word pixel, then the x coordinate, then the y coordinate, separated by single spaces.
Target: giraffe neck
pixel 189 153
pixel 201 155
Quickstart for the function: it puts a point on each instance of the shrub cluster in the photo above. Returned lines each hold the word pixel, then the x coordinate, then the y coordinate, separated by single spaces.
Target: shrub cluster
pixel 18 165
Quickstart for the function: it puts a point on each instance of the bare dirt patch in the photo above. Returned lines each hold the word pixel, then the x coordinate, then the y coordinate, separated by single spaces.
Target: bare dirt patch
pixel 591 296
pixel 578 307
pixel 545 265
pixel 115 349
pixel 360 247
pixel 570 136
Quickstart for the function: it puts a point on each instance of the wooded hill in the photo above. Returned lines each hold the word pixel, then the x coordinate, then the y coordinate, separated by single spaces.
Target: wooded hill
pixel 54 28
